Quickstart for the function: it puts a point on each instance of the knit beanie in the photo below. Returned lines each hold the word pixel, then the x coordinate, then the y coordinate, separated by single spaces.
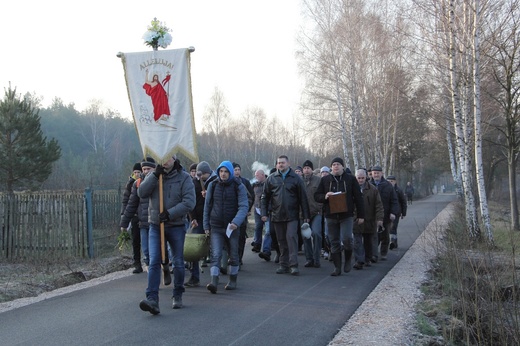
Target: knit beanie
pixel 203 167
pixel 308 163
pixel 338 160
pixel 148 162
pixel 137 167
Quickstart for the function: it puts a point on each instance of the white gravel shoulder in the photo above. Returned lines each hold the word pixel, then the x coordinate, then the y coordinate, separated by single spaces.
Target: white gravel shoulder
pixel 387 316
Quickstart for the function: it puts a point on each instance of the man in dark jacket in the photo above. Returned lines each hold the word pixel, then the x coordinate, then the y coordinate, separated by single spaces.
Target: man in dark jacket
pixel 134 222
pixel 136 206
pixel 237 171
pixel 403 206
pixel 284 192
pixel 178 201
pixel 313 244
pixel 204 176
pixel 340 224
pixel 391 206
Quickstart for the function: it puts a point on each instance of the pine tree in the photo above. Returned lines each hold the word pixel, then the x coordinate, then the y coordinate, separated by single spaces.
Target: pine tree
pixel 25 154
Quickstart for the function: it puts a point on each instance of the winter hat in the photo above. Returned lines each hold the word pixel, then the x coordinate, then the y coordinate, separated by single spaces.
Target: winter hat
pixel 377 168
pixel 391 177
pixel 325 169
pixel 148 162
pixel 203 167
pixel 338 160
pixel 308 163
pixel 137 167
pixel 299 168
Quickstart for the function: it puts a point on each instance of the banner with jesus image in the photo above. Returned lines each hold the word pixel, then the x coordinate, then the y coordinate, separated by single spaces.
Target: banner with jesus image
pixel 159 88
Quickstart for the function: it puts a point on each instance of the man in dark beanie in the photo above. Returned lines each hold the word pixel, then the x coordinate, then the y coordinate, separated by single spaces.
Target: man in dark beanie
pixel 312 245
pixel 205 175
pixel 139 207
pixel 340 220
pixel 193 170
pixel 136 237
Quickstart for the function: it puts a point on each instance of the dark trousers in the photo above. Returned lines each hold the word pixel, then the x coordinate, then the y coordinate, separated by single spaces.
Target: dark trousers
pixel 136 240
pixel 242 239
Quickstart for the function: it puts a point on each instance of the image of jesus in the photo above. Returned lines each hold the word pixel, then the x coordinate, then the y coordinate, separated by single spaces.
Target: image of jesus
pixel 155 90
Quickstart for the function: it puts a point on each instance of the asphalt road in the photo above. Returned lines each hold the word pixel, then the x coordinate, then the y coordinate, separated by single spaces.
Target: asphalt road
pixel 266 308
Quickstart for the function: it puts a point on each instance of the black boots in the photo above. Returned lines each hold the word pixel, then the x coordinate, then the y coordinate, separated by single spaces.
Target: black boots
pixel 212 286
pixel 348 261
pixel 336 259
pixel 167 274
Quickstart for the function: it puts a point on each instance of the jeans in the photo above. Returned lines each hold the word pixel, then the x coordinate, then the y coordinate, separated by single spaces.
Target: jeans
pixel 144 245
pixel 175 237
pixel 340 231
pixel 219 240
pixel 195 269
pixel 395 224
pixel 314 243
pixel 363 247
pixel 259 226
pixel 287 235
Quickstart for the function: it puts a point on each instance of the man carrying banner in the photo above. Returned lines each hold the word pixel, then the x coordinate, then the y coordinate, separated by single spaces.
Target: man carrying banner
pixel 179 200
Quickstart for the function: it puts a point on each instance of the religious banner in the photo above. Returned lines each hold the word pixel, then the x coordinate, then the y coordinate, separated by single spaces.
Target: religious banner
pixel 159 88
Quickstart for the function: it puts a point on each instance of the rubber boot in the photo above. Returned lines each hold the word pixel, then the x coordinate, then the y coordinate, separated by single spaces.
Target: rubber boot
pixel 232 284
pixel 336 259
pixel 348 261
pixel 212 286
pixel 167 274
pixel 224 262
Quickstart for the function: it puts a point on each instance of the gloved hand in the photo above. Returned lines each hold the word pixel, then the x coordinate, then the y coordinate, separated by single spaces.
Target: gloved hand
pixel 159 170
pixel 164 216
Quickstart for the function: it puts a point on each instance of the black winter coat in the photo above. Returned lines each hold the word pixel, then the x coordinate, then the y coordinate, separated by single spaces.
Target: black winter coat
pixel 343 183
pixel 285 197
pixel 388 197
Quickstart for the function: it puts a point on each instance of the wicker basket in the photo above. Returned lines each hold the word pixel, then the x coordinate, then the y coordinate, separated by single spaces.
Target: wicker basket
pixel 196 246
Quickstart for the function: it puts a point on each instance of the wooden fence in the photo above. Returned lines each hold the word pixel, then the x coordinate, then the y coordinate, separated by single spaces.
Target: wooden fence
pixel 58 224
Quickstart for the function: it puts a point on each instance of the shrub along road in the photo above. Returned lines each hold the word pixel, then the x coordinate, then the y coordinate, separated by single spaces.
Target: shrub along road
pixel 266 308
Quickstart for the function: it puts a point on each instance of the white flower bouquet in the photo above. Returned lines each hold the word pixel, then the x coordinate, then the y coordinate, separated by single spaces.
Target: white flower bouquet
pixel 157 35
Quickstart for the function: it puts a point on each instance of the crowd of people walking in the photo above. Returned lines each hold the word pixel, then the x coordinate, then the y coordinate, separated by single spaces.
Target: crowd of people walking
pixel 325 214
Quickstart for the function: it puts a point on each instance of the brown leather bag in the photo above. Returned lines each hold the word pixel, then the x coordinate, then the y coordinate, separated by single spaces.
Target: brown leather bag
pixel 338 203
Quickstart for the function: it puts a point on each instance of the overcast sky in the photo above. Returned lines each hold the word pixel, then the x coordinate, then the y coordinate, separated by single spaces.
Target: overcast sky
pixel 68 49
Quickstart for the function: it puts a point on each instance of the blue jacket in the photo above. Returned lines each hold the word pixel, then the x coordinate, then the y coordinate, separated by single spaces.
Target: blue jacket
pixel 226 201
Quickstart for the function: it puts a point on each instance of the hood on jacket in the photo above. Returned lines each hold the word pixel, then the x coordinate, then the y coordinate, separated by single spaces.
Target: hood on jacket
pixel 229 166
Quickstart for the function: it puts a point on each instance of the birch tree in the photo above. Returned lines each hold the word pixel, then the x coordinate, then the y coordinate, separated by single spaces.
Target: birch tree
pixel 504 66
pixel 477 121
pixel 215 119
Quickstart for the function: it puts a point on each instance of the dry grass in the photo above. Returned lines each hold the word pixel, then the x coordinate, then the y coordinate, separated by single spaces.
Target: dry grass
pixel 473 295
